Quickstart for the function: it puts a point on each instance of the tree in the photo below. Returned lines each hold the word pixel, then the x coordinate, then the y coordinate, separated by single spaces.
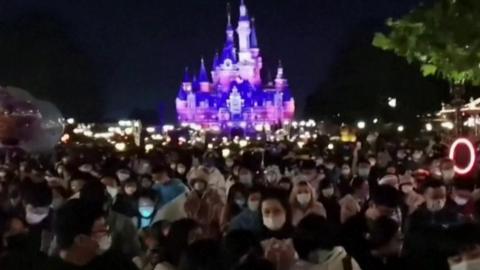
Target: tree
pixel 443 38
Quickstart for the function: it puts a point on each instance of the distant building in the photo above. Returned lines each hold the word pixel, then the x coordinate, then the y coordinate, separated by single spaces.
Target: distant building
pixel 233 93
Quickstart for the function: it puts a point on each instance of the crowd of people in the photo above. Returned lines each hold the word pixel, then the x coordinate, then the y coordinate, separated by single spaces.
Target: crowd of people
pixel 384 204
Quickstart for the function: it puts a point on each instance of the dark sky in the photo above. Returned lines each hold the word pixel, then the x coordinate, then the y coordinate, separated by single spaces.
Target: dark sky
pixel 139 48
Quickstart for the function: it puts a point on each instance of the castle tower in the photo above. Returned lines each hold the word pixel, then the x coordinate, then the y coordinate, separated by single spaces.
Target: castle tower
pixel 203 77
pixel 280 81
pixel 187 81
pixel 243 31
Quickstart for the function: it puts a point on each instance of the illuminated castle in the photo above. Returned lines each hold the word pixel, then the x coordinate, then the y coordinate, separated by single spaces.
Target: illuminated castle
pixel 234 94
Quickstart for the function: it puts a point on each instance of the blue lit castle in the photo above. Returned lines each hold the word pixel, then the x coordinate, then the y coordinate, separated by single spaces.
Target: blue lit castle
pixel 234 94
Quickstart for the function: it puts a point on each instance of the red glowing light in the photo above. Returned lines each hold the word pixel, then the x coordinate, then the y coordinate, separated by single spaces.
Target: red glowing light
pixel 471 150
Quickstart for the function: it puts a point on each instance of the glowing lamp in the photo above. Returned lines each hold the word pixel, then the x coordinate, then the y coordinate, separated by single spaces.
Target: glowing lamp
pixel 120 146
pixel 428 127
pixel 242 143
pixel 375 120
pixel 225 152
pixel 150 129
pixel 65 138
pixel 361 124
pixel 71 121
pixel 330 146
pixel 471 153
pixel 400 129
pixel 148 147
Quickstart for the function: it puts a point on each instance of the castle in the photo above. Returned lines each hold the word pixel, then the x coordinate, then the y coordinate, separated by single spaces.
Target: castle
pixel 234 94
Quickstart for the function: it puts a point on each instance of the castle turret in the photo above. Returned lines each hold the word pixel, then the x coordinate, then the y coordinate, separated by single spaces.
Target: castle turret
pixel 253 39
pixel 203 77
pixel 243 31
pixel 187 81
pixel 280 81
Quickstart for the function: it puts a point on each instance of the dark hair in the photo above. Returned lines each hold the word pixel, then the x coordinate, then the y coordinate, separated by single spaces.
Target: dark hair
pixel 464 184
pixel 74 218
pixel 177 239
pixel 382 231
pixel 238 243
pixel 37 194
pixel 94 192
pixel 326 183
pixel 432 183
pixel 282 197
pixel 386 195
pixel 308 165
pixel 202 255
pixel 312 233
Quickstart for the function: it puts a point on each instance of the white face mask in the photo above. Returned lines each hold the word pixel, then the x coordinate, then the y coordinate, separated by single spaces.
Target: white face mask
pixel 245 179
pixel 274 223
pixel 199 186
pixel 460 200
pixel 304 198
pixel 467 265
pixel 112 191
pixel 35 217
pixel 328 192
pixel 436 205
pixel 448 175
pixel 363 172
pixel 173 166
pixel 407 189
pixel 271 178
pixel 130 190
pixel 104 244
pixel 240 202
pixel 253 205
pixel 346 171
pixel 181 169
pixel 417 156
pixel 3 174
pixel 122 176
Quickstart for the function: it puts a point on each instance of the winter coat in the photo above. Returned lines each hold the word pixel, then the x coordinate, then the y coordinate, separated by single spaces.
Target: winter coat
pixel 335 259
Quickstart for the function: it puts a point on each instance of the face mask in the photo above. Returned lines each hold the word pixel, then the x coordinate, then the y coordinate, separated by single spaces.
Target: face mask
pixel 304 198
pixel 459 200
pixel 130 190
pixel 253 205
pixel 363 172
pixel 122 177
pixel 407 189
pixel 328 192
pixel 467 265
pixel 3 174
pixel 146 211
pixel 60 171
pixel 245 179
pixel 240 202
pixel 104 244
pixel 173 166
pixel 199 186
pixel 372 161
pixel 112 191
pixel 35 218
pixel 448 175
pixel 274 223
pixel 181 169
pixel 417 156
pixel 346 171
pixel 436 205
pixel 319 161
pixel 401 155
pixel 229 163
pixel 330 166
pixel 271 178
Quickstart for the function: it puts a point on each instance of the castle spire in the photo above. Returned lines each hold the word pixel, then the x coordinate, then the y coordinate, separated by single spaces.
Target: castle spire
pixel 253 36
pixel 243 11
pixel 202 74
pixel 215 60
pixel 280 70
pixel 186 76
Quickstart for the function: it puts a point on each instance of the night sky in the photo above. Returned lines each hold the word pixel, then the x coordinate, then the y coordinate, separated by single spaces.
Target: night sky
pixel 139 48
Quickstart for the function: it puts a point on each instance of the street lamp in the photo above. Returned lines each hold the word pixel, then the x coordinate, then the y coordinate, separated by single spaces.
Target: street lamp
pixel 361 124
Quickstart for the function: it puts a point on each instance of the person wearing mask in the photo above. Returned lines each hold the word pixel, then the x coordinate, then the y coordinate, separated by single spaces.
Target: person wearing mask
pixel 215 178
pixel 426 227
pixel 303 202
pixel 378 170
pixel 317 247
pixel 385 242
pixel 285 184
pixel 345 180
pixel 123 230
pixel 236 203
pixel 328 198
pixel 447 171
pixel 76 186
pixel 461 198
pixel 112 188
pixel 249 217
pixel 356 201
pixel 363 170
pixel 146 210
pixel 127 201
pixel 204 205
pixel 245 176
pixel 331 170
pixel 84 240
pixel 123 175
pixel 272 176
pixel 277 229
pixel 385 202
pixel 38 215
